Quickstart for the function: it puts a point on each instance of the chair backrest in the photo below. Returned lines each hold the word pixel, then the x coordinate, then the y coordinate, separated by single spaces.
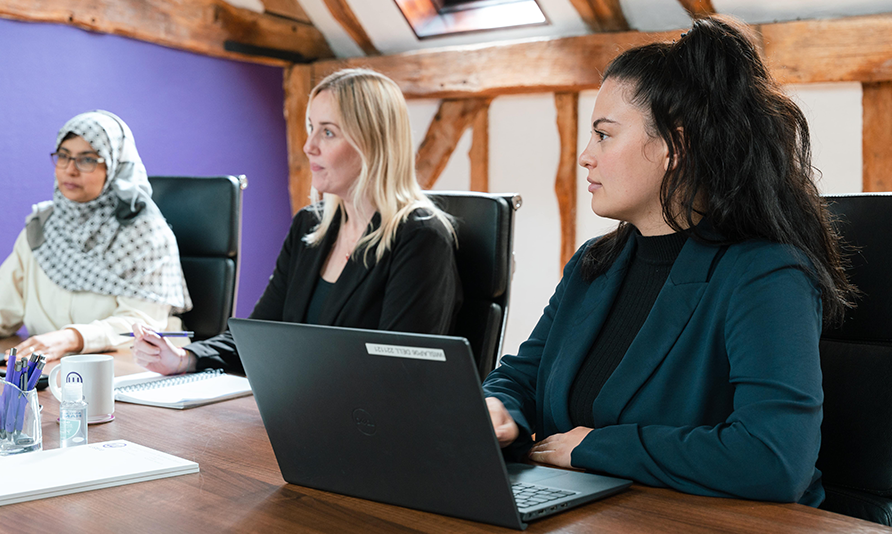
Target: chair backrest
pixel 205 215
pixel 485 258
pixel 856 360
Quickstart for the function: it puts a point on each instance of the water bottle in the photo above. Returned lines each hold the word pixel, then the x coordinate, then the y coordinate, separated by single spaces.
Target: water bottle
pixel 72 416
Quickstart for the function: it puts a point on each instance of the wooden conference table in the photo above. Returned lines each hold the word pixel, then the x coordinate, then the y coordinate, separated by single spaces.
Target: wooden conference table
pixel 240 489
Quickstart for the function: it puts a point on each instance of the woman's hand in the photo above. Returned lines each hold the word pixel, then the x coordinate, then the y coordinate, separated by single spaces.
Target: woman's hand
pixel 53 345
pixel 557 448
pixel 158 355
pixel 502 422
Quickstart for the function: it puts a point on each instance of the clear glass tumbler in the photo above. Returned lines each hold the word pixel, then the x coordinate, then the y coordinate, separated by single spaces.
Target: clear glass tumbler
pixel 19 421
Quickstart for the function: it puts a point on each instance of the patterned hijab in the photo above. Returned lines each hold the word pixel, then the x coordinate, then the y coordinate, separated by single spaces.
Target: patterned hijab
pixel 118 243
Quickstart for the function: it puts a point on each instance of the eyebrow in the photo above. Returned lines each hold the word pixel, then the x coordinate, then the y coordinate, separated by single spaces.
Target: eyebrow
pixel 80 153
pixel 599 121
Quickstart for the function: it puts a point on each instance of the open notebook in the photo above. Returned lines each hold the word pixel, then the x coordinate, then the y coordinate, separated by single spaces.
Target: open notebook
pixel 180 391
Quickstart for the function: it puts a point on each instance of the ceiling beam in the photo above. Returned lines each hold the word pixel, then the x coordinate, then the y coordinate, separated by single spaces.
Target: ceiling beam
pixel 852 49
pixel 542 66
pixel 286 8
pixel 846 49
pixel 209 27
pixel 602 15
pixel 698 8
pixel 345 16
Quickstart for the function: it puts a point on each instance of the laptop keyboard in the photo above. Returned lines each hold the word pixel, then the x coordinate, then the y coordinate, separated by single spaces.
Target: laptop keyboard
pixel 530 495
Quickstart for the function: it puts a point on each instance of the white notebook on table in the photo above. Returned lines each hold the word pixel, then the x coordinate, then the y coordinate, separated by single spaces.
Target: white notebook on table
pixel 38 475
pixel 180 391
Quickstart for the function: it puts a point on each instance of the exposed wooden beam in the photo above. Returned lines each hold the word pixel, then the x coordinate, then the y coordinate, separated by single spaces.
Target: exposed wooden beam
pixel 543 66
pixel 876 136
pixel 298 83
pixel 836 50
pixel 443 134
pixel 567 105
pixel 479 152
pixel 204 26
pixel 698 8
pixel 286 8
pixel 846 49
pixel 345 16
pixel 602 15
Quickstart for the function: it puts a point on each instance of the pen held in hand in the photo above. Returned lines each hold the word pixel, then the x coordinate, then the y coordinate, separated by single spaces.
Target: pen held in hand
pixel 185 333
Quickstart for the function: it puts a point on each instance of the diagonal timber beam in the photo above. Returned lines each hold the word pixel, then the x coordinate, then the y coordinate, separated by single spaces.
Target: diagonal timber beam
pixel 443 134
pixel 602 15
pixel 345 16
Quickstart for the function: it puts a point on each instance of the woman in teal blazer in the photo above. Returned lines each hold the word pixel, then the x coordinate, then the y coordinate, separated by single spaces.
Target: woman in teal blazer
pixel 681 350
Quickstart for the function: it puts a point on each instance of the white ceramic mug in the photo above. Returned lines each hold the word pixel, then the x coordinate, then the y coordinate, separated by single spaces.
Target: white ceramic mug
pixel 97 372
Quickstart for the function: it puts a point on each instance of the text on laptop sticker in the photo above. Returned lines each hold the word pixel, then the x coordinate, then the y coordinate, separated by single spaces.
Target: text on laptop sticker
pixel 399 351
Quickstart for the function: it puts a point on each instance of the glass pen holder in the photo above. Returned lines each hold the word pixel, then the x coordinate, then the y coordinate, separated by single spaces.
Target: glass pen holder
pixel 19 421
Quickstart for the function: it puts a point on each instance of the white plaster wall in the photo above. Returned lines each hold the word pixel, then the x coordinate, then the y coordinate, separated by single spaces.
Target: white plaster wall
pixel 524 151
pixel 834 116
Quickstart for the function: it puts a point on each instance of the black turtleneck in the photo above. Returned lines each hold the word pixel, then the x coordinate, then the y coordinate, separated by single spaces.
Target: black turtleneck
pixel 646 274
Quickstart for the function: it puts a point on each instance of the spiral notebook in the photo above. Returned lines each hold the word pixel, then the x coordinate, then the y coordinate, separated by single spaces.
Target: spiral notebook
pixel 181 391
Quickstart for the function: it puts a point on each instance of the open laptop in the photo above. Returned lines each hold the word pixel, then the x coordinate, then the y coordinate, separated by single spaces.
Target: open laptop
pixel 396 418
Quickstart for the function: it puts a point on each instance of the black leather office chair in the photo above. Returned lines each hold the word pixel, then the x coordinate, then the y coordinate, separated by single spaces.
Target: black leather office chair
pixel 856 359
pixel 485 258
pixel 205 215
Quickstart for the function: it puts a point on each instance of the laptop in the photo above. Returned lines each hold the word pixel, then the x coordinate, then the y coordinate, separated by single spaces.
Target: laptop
pixel 396 418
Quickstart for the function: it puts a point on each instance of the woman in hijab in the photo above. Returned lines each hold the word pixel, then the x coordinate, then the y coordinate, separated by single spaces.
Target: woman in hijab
pixel 99 257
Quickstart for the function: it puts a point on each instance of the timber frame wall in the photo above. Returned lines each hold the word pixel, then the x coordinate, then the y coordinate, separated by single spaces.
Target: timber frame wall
pixel 851 49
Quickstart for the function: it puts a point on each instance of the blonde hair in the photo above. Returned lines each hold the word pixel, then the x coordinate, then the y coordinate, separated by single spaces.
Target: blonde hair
pixel 375 121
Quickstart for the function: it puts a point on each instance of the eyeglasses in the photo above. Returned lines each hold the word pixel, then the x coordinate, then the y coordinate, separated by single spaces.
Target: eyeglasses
pixel 83 163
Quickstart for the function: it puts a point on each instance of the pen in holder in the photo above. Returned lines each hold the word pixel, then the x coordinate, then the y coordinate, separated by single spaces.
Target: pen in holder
pixel 19 420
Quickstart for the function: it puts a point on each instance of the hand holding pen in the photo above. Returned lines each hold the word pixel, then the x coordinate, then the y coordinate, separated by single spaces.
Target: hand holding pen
pixel 156 353
pixel 177 333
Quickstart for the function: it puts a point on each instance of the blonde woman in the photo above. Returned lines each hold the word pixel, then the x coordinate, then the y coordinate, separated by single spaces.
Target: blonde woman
pixel 372 253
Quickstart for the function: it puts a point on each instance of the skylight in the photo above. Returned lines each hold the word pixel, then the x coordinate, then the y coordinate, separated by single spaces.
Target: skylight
pixel 433 18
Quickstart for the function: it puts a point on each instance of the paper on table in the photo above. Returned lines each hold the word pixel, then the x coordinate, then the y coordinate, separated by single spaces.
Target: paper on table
pixel 182 391
pixel 38 475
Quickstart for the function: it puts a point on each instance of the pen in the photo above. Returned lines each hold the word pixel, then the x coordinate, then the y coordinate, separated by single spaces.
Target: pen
pixel 35 374
pixel 184 333
pixel 23 399
pixel 32 361
pixel 11 399
pixel 10 366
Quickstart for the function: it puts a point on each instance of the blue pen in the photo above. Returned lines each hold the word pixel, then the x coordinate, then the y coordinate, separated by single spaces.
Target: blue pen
pixel 32 361
pixel 11 398
pixel 10 365
pixel 35 374
pixel 23 399
pixel 184 333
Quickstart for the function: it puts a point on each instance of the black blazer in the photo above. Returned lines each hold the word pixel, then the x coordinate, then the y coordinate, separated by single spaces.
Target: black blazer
pixel 414 288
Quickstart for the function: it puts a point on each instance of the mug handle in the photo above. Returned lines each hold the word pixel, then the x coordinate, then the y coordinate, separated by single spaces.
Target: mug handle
pixel 57 391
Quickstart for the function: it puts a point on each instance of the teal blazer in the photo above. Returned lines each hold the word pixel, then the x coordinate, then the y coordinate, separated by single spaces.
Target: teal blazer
pixel 720 392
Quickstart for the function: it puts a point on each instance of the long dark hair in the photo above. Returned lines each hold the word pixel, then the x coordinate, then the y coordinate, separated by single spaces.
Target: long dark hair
pixel 740 147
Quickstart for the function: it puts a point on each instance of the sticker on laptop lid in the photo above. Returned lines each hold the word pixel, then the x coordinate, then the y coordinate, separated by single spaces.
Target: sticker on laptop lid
pixel 401 351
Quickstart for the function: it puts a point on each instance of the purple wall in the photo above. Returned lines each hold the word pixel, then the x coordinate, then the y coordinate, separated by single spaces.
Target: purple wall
pixel 190 115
